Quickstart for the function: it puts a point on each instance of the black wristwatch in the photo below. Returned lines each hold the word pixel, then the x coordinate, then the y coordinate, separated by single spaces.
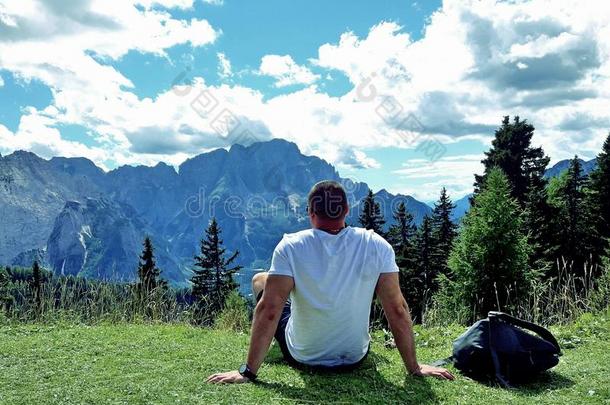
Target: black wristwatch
pixel 245 371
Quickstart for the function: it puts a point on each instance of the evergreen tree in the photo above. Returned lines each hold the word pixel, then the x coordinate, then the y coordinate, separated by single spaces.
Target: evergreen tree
pixel 402 238
pixel 512 152
pixel 541 226
pixel 525 168
pixel 489 263
pixel 419 282
pixel 213 274
pixel 148 272
pixel 401 234
pixel 445 232
pixel 5 297
pixel 36 285
pixel 371 216
pixel 577 235
pixel 598 198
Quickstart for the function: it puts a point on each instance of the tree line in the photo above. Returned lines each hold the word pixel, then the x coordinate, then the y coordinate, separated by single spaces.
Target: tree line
pixel 39 294
pixel 529 245
pixel 525 236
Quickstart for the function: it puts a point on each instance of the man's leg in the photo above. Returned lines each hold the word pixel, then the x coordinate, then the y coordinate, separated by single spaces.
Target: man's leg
pixel 258 284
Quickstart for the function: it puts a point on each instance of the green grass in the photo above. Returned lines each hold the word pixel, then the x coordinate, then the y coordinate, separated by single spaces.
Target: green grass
pixel 166 364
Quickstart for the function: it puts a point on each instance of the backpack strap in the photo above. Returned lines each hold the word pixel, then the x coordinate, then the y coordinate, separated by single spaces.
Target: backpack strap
pixel 494 355
pixel 542 332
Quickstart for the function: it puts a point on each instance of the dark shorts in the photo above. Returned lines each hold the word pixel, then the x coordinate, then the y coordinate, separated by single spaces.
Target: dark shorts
pixel 280 337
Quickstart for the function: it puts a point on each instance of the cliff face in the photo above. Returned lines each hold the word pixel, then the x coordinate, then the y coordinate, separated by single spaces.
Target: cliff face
pixel 101 239
pixel 67 245
pixel 32 193
pixel 84 221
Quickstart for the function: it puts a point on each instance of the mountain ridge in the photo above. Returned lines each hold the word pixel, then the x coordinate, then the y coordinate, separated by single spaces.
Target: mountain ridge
pixel 558 168
pixel 257 193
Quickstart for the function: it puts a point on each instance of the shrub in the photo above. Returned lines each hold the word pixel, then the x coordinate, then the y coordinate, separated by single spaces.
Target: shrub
pixel 235 315
pixel 600 299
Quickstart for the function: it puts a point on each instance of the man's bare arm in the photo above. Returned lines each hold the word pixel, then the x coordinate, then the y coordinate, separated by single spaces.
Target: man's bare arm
pixel 266 317
pixel 399 317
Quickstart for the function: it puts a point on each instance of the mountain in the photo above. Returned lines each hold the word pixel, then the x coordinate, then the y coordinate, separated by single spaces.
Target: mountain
pixel 69 213
pixel 32 193
pixel 562 166
pixel 462 206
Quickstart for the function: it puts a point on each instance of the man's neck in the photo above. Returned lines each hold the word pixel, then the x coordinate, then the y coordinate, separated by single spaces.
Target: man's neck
pixel 333 230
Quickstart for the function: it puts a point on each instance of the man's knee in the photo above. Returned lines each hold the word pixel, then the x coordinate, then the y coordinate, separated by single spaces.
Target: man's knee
pixel 260 278
pixel 258 282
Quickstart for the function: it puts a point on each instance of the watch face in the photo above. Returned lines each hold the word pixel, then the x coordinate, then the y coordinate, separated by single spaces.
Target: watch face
pixel 246 372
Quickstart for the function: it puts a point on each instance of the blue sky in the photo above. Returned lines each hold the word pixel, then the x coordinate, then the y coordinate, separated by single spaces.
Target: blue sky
pixel 368 86
pixel 251 30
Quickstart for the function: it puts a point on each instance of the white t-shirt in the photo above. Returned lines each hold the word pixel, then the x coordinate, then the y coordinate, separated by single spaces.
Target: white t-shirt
pixel 334 281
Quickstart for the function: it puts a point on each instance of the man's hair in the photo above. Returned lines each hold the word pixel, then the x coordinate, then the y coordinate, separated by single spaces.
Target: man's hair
pixel 327 199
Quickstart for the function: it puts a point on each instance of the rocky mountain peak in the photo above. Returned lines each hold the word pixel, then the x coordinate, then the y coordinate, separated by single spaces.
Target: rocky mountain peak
pixel 92 223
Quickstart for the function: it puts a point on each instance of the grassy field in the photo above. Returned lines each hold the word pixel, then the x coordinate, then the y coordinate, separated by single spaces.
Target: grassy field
pixel 166 364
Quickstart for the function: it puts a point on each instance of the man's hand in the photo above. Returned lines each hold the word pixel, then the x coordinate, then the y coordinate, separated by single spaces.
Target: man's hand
pixel 437 372
pixel 399 317
pixel 232 377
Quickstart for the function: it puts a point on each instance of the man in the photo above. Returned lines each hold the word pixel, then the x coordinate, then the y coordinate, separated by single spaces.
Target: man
pixel 331 273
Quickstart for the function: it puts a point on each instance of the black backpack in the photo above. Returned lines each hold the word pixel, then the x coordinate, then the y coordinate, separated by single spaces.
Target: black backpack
pixel 498 347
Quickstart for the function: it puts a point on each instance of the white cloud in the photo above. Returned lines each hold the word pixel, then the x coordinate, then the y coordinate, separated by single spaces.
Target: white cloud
pixel 37 134
pixel 355 159
pixel 224 65
pixel 378 53
pixel 286 71
pixel 181 4
pixel 424 179
pixel 86 91
pixel 480 60
pixel 108 28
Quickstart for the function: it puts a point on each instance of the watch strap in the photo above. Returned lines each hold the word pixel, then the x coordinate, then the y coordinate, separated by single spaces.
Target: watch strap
pixel 245 371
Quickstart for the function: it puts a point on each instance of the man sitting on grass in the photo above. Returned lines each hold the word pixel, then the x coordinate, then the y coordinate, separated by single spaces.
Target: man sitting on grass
pixel 331 273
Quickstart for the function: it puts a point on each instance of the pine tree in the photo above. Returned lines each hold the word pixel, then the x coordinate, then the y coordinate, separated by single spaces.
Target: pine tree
pixel 489 263
pixel 5 297
pixel 574 203
pixel 401 234
pixel 402 238
pixel 540 223
pixel 577 235
pixel 37 285
pixel 148 272
pixel 213 274
pixel 525 168
pixel 512 152
pixel 421 281
pixel 445 232
pixel 598 198
pixel 371 216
